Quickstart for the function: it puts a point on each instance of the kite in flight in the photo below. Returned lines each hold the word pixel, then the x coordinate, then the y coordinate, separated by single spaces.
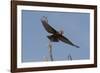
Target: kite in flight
pixel 56 36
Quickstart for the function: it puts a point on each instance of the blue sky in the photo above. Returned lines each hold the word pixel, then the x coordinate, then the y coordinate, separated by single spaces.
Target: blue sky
pixel 35 43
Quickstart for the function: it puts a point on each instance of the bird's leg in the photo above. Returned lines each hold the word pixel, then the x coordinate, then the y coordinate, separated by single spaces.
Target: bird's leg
pixel 50 51
pixel 69 57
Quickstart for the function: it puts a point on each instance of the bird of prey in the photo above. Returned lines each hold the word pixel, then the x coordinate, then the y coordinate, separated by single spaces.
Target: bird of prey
pixel 55 35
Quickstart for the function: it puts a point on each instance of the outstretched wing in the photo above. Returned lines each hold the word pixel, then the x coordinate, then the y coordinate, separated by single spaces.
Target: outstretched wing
pixel 48 28
pixel 65 40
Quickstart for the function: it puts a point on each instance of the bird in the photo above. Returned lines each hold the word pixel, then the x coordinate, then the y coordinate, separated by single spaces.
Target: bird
pixel 55 36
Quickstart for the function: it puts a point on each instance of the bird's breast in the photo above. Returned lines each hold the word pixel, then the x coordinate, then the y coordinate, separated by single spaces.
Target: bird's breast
pixel 53 38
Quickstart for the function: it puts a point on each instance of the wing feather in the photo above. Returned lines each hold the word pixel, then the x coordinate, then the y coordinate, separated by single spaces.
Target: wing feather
pixel 48 28
pixel 65 40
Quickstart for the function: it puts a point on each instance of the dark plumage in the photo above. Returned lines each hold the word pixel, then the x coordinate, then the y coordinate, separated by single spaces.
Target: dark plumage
pixel 56 36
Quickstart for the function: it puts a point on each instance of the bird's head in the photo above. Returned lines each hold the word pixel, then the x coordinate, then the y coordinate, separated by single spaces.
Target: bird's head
pixel 44 18
pixel 61 32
